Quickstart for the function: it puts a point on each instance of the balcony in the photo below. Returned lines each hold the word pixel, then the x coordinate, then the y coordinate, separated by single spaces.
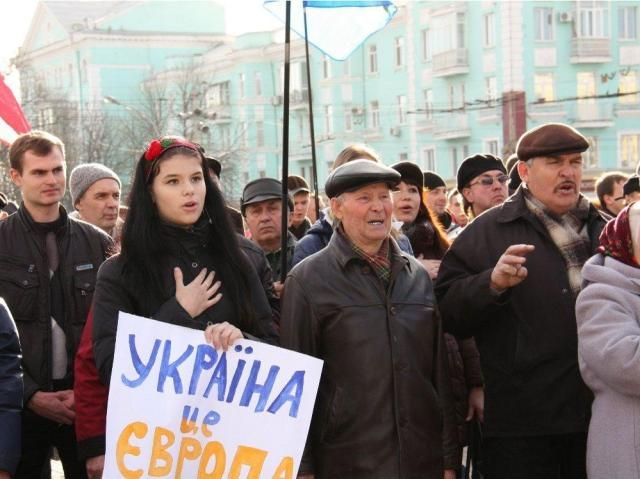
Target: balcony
pixel 451 62
pixel 590 50
pixel 452 127
pixel 591 114
pixel 299 99
pixel 550 111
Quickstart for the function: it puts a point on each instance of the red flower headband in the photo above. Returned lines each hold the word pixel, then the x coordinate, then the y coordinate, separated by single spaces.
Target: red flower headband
pixel 156 147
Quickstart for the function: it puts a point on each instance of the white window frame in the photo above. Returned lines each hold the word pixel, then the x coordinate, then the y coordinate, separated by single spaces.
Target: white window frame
pixel 326 67
pixel 592 19
pixel 372 64
pixel 626 15
pixel 260 133
pixel 629 83
pixel 428 103
pixel 328 119
pixel 425 40
pixel 258 81
pixel 621 153
pixel 544 85
pixel 401 104
pixel 241 85
pixel 540 17
pixel 489 29
pixel 488 146
pixel 591 157
pixel 399 44
pixel 374 108
pixel 348 118
pixel 428 159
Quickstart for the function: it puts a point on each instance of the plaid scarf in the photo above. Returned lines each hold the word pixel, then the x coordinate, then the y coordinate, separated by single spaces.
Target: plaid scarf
pixel 380 262
pixel 568 232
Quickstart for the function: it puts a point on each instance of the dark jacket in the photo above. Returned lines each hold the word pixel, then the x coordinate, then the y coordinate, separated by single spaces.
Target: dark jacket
pixel 10 391
pixel 527 335
pixel 275 257
pixel 318 238
pixel 24 284
pixel 191 256
pixel 384 406
pixel 91 394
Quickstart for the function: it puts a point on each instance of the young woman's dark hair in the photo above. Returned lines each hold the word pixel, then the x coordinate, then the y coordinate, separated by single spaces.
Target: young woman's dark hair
pixel 143 242
pixel 430 242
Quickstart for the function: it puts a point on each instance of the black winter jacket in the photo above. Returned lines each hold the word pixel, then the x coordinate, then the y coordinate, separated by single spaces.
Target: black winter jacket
pixel 526 336
pixel 10 391
pixel 24 284
pixel 384 408
pixel 113 295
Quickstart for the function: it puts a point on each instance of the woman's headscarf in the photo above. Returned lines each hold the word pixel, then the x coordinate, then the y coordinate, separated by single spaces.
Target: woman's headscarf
pixel 616 239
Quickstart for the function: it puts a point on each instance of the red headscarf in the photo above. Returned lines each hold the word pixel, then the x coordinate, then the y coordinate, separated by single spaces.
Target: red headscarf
pixel 615 239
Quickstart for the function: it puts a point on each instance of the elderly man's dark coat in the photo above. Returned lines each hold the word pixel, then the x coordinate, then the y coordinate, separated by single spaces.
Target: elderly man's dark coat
pixel 526 336
pixel 384 407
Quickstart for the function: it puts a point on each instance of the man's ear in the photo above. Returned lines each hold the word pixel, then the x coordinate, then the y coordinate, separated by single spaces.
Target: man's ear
pixel 16 177
pixel 336 208
pixel 523 171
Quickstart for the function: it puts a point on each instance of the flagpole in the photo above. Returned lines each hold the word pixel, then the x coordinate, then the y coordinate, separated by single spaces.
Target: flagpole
pixel 312 133
pixel 285 142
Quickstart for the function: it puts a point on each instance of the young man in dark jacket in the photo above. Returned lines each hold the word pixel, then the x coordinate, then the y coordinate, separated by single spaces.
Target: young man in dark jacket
pixel 384 406
pixel 49 264
pixel 510 280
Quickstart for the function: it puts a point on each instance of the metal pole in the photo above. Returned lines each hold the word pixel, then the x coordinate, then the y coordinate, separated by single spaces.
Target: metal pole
pixel 312 133
pixel 285 142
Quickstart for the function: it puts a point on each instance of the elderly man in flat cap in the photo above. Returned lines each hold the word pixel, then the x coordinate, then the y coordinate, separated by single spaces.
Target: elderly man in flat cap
pixel 384 407
pixel 510 280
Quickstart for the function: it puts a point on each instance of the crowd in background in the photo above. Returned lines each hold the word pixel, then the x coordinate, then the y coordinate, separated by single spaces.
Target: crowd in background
pixel 500 316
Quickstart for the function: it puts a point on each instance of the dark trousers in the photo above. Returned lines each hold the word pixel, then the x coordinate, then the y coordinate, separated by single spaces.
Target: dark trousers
pixel 539 457
pixel 38 437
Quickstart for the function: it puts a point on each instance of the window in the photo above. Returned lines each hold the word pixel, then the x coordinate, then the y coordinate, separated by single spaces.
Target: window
pixel 259 133
pixel 448 32
pixel 425 39
pixel 326 67
pixel 543 21
pixel 348 119
pixel 429 159
pixel 241 81
pixel 628 84
pixel 258 78
pixel 543 86
pixel 489 29
pixel 402 109
pixel 244 140
pixel 346 67
pixel 492 90
pixel 261 165
pixel 224 137
pixel 375 114
pixel 629 150
pixel 328 119
pixel 586 85
pixel 302 128
pixel 593 19
pixel 590 157
pixel 628 23
pixel 454 160
pixel 217 95
pixel 373 59
pixel 428 103
pixel 456 96
pixel 491 146
pixel 465 151
pixel 403 157
pixel 399 43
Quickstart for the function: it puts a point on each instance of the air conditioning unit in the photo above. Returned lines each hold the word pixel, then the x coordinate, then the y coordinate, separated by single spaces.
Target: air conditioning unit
pixel 276 100
pixel 565 17
pixel 356 110
pixel 395 131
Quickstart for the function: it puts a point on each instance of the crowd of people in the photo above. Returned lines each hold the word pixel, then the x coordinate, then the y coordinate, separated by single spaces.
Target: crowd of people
pixel 502 316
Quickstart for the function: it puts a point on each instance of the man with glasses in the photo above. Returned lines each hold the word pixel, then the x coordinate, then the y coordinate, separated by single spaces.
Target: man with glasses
pixel 482 181
pixel 510 280
pixel 609 188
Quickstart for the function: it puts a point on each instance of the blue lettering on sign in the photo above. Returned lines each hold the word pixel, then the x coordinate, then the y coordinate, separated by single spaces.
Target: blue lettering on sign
pixel 292 392
pixel 262 390
pixel 219 378
pixel 141 368
pixel 170 369
pixel 206 357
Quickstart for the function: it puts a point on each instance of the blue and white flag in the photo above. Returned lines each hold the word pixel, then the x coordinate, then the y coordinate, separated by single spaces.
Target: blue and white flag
pixel 336 28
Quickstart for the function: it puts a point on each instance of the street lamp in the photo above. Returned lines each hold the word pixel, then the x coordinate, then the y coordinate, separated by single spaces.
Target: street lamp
pixel 145 118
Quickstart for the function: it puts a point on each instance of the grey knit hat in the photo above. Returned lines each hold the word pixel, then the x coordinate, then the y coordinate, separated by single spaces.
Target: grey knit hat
pixel 83 176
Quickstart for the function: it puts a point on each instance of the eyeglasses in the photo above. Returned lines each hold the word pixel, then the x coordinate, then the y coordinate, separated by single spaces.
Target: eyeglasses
pixel 488 180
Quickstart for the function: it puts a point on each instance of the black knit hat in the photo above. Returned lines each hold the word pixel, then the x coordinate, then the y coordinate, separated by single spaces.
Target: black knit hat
pixel 432 180
pixel 550 139
pixel 632 185
pixel 214 165
pixel 410 172
pixel 359 173
pixel 475 165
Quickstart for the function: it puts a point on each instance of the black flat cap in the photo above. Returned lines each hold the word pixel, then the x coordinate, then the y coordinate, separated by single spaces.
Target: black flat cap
pixel 359 173
pixel 475 165
pixel 262 189
pixel 632 185
pixel 410 173
pixel 213 165
pixel 432 180
pixel 550 139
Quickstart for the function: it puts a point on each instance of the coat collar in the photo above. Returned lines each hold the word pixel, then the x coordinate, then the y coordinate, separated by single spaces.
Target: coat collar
pixel 344 253
pixel 30 224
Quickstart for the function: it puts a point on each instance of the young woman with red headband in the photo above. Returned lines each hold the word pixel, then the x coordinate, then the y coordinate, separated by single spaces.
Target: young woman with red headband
pixel 180 261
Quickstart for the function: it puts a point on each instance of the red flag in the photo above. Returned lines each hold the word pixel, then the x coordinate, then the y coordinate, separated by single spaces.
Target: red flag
pixel 12 119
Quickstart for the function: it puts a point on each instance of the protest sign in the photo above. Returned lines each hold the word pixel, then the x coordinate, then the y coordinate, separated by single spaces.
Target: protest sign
pixel 180 408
